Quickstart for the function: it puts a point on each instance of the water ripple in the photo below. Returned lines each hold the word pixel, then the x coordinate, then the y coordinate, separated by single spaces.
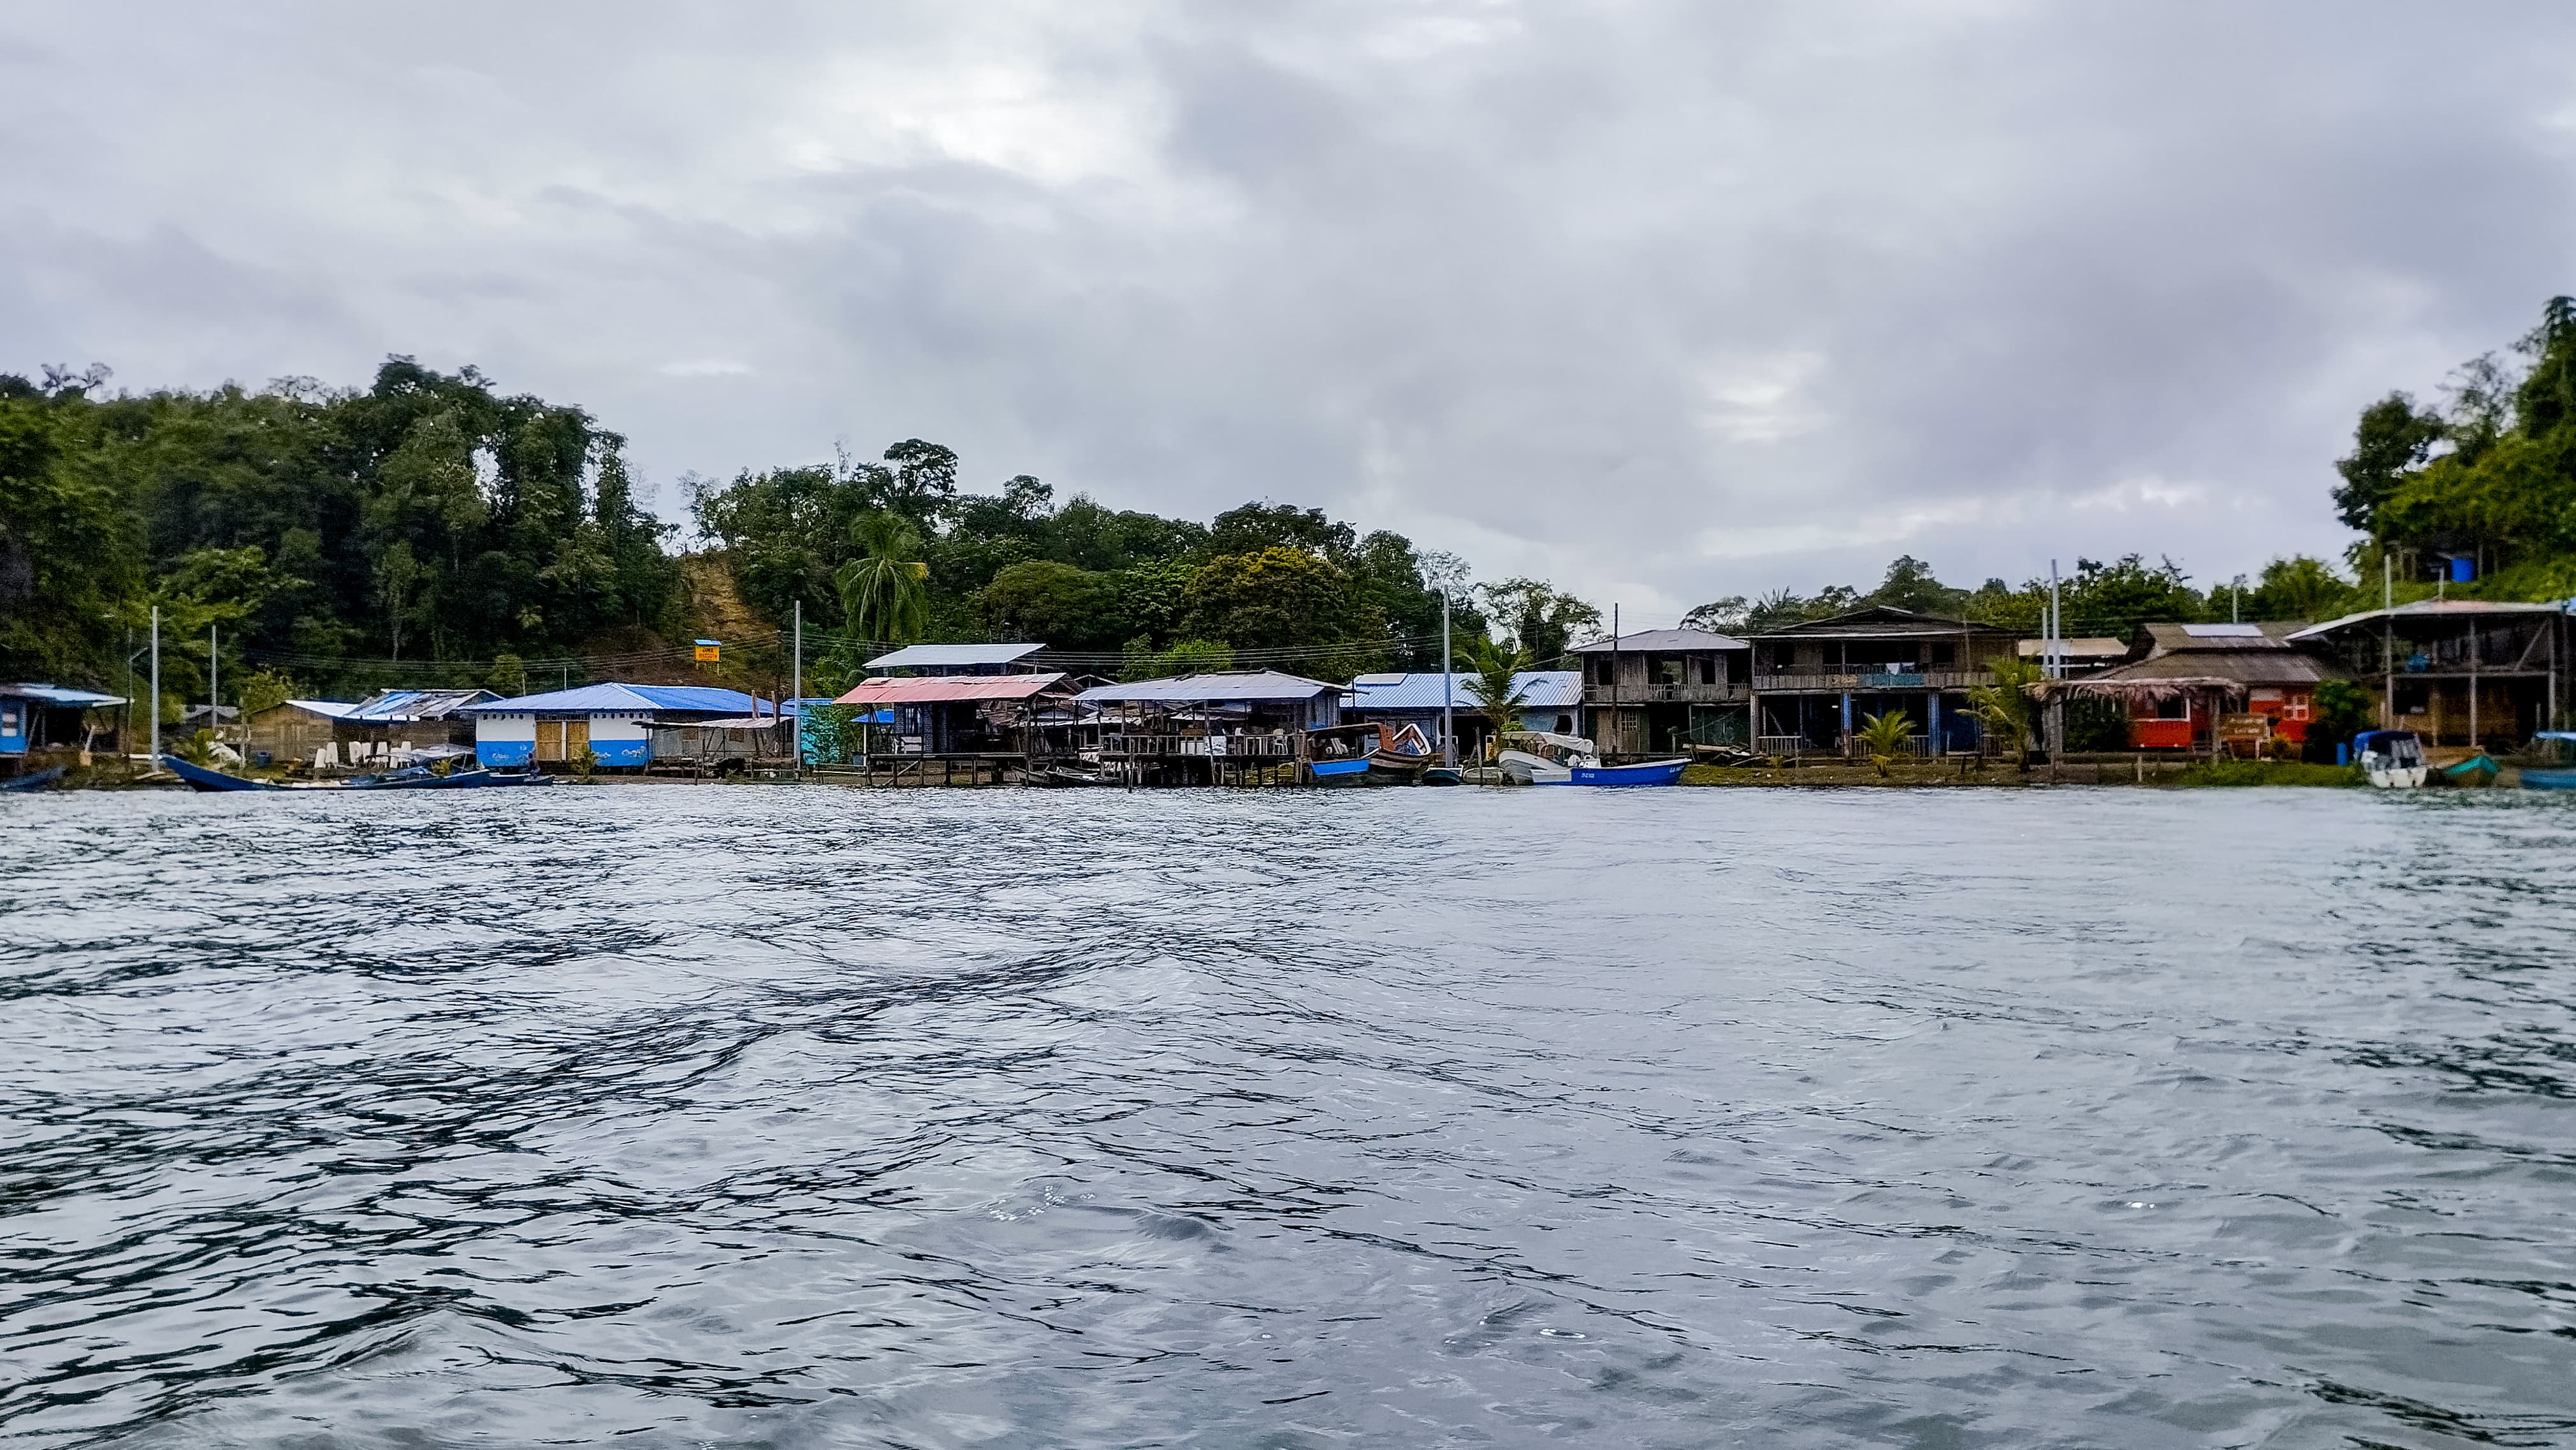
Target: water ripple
pixel 787 1117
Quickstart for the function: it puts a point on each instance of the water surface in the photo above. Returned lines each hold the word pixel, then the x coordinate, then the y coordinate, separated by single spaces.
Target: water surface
pixel 813 1117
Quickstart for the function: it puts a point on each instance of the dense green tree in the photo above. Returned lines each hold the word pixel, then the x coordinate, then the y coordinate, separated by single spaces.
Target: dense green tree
pixel 1538 619
pixel 70 557
pixel 2300 587
pixel 2391 441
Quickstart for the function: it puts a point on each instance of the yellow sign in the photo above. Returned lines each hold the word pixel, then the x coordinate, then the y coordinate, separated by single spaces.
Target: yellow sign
pixel 707 651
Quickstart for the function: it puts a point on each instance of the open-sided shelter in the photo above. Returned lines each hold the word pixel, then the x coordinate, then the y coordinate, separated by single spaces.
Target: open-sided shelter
pixel 48 717
pixel 1198 728
pixel 2455 671
pixel 951 715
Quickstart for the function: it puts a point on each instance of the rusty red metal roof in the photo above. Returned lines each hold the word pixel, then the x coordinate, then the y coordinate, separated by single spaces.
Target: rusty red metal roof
pixel 941 689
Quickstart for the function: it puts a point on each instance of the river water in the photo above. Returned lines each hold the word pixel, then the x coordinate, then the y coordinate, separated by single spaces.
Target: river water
pixel 785 1116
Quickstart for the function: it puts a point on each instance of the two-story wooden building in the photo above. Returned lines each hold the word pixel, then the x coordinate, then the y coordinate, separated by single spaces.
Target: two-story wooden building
pixel 1815 683
pixel 1658 690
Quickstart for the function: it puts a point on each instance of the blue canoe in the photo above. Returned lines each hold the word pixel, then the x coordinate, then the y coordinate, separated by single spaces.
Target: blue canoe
pixel 35 780
pixel 2560 772
pixel 1341 772
pixel 1652 772
pixel 416 777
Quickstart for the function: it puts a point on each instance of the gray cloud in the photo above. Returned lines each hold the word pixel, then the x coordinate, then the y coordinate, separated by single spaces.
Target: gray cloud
pixel 1667 301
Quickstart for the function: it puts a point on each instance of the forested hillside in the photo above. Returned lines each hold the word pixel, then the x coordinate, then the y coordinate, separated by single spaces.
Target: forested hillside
pixel 431 529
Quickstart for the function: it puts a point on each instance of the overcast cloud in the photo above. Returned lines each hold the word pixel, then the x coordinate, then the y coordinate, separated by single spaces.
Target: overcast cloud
pixel 1666 302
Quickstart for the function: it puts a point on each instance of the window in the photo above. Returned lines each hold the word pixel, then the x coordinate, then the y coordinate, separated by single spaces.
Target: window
pixel 2177 708
pixel 1944 652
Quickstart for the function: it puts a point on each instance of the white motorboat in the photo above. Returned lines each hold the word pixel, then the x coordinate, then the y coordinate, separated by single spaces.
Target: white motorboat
pixel 1538 757
pixel 2390 759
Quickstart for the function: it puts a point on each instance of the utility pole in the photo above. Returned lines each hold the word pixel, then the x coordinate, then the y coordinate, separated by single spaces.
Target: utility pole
pixel 2387 641
pixel 796 688
pixel 156 688
pixel 2053 662
pixel 1448 740
pixel 1614 672
pixel 214 685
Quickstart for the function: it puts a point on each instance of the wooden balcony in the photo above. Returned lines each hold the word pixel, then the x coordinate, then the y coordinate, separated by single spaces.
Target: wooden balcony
pixel 1663 693
pixel 1869 682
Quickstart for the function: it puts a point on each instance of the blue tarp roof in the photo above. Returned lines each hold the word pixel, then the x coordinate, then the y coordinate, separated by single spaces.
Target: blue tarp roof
pixel 60 695
pixel 1547 690
pixel 615 699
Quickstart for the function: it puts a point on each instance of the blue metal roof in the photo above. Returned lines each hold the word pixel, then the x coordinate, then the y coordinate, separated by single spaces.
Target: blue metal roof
pixel 60 695
pixel 1547 690
pixel 617 699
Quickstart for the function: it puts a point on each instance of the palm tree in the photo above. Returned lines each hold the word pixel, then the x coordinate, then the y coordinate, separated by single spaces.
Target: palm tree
pixel 2006 708
pixel 1884 736
pixel 1494 687
pixel 884 593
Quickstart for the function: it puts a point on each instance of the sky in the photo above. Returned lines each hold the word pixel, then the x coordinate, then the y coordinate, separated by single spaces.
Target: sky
pixel 1661 302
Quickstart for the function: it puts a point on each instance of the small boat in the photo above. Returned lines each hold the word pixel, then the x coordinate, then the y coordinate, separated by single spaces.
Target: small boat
pixel 2555 767
pixel 2390 759
pixel 2478 769
pixel 1444 775
pixel 1353 771
pixel 516 777
pixel 34 780
pixel 420 777
pixel 1646 772
pixel 1401 755
pixel 1536 757
pixel 207 778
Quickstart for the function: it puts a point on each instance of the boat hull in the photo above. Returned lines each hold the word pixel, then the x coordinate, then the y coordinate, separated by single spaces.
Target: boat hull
pixel 36 780
pixel 2404 777
pixel 1340 772
pixel 2549 777
pixel 1651 772
pixel 207 778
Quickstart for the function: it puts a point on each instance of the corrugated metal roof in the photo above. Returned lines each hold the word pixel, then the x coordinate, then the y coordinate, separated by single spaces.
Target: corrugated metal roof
pixel 931 656
pixel 61 695
pixel 2191 639
pixel 2432 608
pixel 1880 621
pixel 2234 667
pixel 327 709
pixel 1548 690
pixel 397 705
pixel 611 699
pixel 1667 641
pixel 937 690
pixel 2091 647
pixel 1191 689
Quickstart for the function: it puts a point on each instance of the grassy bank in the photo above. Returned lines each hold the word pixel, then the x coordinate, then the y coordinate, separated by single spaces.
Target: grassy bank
pixel 2269 772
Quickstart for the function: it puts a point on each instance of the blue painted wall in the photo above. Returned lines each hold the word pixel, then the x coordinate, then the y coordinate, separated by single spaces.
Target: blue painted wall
pixel 504 752
pixel 622 752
